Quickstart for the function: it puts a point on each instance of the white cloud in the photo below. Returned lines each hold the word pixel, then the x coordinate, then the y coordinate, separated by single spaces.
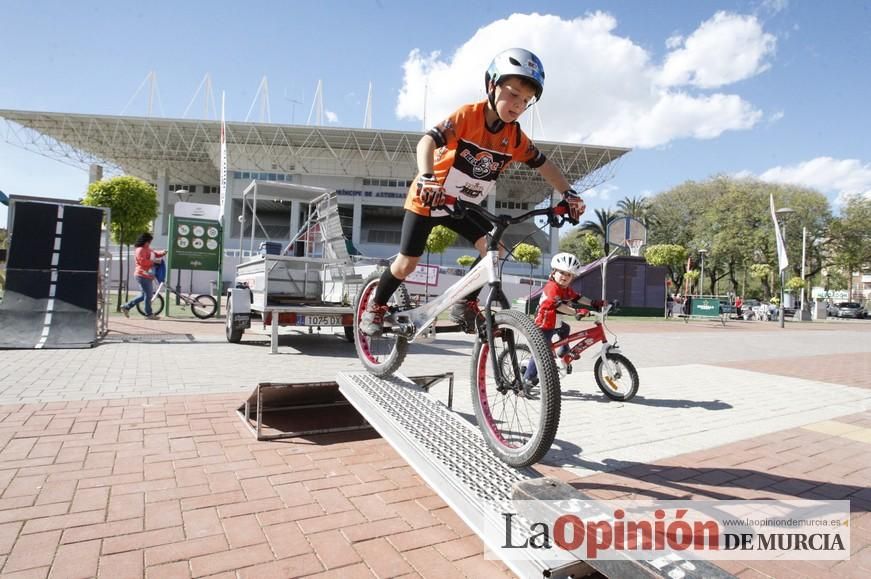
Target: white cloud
pixel 331 116
pixel 601 88
pixel 844 177
pixel 775 116
pixel 725 49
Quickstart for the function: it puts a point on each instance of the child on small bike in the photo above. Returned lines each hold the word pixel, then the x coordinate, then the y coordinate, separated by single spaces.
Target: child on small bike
pixel 557 292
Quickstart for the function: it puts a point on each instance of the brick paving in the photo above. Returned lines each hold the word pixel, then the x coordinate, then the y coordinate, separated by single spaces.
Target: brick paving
pixel 113 485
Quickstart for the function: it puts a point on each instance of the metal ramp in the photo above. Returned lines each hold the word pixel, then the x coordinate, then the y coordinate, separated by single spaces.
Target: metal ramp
pixel 453 459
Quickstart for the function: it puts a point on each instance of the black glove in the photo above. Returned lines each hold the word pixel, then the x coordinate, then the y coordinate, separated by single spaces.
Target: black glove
pixel 430 191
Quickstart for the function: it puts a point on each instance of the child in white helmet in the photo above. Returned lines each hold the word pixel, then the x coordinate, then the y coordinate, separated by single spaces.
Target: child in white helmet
pixel 462 156
pixel 557 292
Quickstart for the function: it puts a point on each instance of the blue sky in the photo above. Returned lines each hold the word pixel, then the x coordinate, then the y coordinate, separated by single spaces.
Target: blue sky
pixel 774 88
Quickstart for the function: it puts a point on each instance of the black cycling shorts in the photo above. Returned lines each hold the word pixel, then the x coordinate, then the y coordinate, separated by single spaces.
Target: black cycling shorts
pixel 416 228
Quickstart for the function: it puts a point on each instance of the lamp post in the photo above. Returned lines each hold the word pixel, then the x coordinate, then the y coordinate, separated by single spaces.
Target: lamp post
pixel 782 214
pixel 182 195
pixel 702 253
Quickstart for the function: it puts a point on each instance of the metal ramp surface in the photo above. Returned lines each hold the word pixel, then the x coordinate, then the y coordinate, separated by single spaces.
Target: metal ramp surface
pixel 453 459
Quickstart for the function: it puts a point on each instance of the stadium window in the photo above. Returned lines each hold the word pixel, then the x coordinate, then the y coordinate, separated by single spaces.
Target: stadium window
pixel 237 174
pixel 273 177
pixel 246 175
pixel 392 183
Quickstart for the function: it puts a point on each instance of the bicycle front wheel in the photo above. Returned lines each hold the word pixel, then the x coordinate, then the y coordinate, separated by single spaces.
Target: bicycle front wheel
pixel 204 306
pixel 381 354
pixel 618 379
pixel 518 423
pixel 156 305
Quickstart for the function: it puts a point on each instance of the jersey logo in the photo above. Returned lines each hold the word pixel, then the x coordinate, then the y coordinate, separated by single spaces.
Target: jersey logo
pixel 472 190
pixel 482 164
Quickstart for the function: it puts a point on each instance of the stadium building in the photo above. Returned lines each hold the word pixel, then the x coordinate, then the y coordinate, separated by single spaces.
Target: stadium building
pixel 369 169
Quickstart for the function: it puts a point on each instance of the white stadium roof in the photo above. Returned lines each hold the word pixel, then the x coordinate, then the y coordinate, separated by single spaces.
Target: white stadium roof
pixel 189 149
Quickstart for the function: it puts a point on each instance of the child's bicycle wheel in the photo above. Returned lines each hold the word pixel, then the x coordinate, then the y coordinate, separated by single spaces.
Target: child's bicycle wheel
pixel 518 424
pixel 203 306
pixel 618 379
pixel 156 305
pixel 381 354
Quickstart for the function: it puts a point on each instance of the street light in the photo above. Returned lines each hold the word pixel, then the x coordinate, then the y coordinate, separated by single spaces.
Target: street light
pixel 182 195
pixel 782 214
pixel 702 252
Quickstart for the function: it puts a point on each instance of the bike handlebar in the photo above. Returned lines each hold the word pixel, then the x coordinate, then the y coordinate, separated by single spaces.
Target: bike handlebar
pixel 457 208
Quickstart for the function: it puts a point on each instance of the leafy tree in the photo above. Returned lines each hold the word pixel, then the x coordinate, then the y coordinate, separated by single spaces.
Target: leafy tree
pixel 133 204
pixel 851 236
pixel 794 283
pixel 466 260
pixel 531 254
pixel 691 277
pixel 526 253
pixel 599 227
pixel 440 239
pixel 673 257
pixel 583 245
pixel 636 208
pixel 762 272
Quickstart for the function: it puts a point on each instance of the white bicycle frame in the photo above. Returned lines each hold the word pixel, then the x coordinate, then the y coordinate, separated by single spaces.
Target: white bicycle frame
pixel 485 272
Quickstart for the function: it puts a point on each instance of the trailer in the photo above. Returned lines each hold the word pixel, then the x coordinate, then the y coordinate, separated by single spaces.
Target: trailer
pixel 308 281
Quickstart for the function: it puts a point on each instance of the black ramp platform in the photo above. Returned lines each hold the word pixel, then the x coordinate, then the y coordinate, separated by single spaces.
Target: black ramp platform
pixel 51 277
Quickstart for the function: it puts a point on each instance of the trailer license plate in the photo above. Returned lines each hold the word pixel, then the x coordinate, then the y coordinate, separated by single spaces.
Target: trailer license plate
pixel 319 320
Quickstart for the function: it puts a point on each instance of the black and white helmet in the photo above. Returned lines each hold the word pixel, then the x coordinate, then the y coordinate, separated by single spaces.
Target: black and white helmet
pixel 516 62
pixel 566 262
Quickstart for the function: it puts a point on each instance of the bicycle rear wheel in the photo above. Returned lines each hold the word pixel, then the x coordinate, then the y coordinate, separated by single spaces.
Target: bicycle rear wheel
pixel 381 354
pixel 519 425
pixel 156 305
pixel 618 379
pixel 203 306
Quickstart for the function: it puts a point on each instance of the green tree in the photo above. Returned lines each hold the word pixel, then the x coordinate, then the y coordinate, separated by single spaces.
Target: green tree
pixel 851 237
pixel 691 277
pixel 133 205
pixel 673 257
pixel 583 245
pixel 466 260
pixel 439 240
pixel 636 208
pixel 531 254
pixel 762 272
pixel 599 227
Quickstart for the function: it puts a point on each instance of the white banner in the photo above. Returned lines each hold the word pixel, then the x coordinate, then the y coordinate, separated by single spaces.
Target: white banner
pixel 223 162
pixel 782 259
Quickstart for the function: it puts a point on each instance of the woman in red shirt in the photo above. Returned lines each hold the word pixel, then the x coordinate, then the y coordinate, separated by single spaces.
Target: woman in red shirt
pixel 145 258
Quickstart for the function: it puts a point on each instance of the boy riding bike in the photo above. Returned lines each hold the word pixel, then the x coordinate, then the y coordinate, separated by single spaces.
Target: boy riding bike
pixel 462 157
pixel 556 293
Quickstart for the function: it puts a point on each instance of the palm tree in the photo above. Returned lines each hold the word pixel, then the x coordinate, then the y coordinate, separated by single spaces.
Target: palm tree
pixel 635 207
pixel 600 226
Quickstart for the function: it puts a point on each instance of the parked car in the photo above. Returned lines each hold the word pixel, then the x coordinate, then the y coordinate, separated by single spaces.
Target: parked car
pixel 850 310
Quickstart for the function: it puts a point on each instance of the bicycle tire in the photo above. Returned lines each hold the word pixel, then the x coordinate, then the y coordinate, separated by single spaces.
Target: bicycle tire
pixel 381 355
pixel 156 305
pixel 519 427
pixel 203 306
pixel 609 385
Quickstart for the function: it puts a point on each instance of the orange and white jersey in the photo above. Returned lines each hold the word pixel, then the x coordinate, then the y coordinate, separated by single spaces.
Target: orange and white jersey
pixel 470 157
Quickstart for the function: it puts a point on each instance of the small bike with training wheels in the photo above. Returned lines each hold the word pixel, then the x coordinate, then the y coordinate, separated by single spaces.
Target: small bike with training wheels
pixel 519 428
pixel 615 374
pixel 202 306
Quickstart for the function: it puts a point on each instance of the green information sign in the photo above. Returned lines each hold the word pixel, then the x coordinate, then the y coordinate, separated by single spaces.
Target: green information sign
pixel 705 307
pixel 196 244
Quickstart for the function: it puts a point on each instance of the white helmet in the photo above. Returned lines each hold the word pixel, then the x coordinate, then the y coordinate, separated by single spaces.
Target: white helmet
pixel 566 262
